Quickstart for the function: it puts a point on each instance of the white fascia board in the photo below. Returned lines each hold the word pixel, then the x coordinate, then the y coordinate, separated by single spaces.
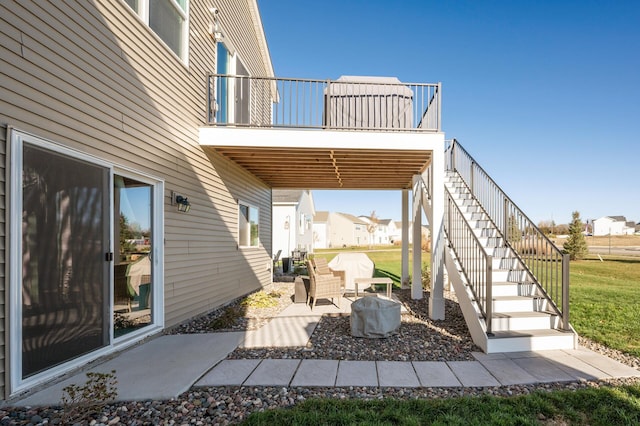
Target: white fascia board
pixel 319 139
pixel 262 39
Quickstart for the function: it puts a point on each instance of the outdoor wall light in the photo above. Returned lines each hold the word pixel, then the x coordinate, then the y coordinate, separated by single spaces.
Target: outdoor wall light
pixel 183 204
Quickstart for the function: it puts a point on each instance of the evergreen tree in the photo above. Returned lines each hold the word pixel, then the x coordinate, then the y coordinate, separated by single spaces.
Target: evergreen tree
pixel 514 234
pixel 576 245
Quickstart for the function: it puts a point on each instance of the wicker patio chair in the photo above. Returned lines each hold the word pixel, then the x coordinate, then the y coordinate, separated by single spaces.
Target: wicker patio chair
pixel 323 286
pixel 322 267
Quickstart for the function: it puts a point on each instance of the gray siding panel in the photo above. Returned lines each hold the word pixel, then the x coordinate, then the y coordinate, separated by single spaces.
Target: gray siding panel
pixel 91 76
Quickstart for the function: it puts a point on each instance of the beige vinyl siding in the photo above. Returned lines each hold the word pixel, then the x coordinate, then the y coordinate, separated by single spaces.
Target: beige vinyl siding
pixel 91 76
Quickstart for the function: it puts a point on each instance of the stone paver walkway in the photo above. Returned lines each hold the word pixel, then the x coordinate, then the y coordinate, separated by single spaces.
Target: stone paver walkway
pixel 487 370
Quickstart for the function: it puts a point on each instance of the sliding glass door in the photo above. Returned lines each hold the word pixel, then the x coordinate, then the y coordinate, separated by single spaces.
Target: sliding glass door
pixel 65 268
pixel 84 263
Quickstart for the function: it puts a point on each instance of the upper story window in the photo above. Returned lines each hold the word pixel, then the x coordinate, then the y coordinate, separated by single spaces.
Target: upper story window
pixel 248 225
pixel 168 19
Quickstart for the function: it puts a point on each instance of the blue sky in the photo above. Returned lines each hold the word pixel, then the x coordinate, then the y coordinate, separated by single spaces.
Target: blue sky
pixel 545 95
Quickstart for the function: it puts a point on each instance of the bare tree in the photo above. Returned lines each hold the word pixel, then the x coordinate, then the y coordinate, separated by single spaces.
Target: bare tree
pixel 371 228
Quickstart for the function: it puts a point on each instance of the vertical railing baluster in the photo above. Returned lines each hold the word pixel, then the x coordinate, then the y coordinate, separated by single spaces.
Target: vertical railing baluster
pixel 489 307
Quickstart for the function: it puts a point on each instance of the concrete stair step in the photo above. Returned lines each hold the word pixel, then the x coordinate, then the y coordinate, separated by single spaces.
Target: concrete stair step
pixel 516 304
pixel 475 216
pixel 520 321
pixel 459 196
pixel 514 275
pixel 530 340
pixel 506 263
pixel 485 232
pixel 481 223
pixel 499 251
pixel 491 241
pixel 511 288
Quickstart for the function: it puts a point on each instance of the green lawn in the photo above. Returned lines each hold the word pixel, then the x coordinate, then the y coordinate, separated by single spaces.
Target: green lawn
pixel 387 260
pixel 603 406
pixel 605 302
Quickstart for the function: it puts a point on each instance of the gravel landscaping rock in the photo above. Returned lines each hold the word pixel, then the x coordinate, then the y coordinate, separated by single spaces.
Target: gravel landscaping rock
pixel 420 339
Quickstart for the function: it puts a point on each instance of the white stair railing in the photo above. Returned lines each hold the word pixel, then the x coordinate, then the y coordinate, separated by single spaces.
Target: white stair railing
pixel 547 265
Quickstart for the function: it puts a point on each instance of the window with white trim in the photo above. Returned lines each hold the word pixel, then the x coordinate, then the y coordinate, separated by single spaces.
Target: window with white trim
pixel 248 225
pixel 168 19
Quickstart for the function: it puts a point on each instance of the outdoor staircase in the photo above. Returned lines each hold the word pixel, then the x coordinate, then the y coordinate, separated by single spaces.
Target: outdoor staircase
pixel 522 315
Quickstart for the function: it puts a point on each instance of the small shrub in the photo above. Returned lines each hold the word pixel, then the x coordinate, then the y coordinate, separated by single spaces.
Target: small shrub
pixel 80 401
pixel 426 276
pixel 300 270
pixel 261 300
pixel 122 321
pixel 227 319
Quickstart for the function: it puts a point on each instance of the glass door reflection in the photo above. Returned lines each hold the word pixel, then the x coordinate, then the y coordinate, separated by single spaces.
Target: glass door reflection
pixel 133 272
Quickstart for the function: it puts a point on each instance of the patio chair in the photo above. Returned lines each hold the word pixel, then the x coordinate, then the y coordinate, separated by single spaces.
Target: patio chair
pixel 296 256
pixel 276 258
pixel 322 266
pixel 323 286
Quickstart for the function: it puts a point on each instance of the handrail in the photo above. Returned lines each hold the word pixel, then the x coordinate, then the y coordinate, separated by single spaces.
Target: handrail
pixel 547 265
pixel 475 263
pixel 356 103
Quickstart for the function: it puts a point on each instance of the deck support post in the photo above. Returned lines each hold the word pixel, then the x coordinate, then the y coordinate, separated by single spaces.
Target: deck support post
pixel 416 243
pixel 436 227
pixel 405 238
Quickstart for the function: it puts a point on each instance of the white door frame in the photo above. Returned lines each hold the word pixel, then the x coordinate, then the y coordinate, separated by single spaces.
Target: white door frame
pixel 16 138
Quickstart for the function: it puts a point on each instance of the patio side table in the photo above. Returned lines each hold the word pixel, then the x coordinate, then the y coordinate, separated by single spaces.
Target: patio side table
pixel 300 289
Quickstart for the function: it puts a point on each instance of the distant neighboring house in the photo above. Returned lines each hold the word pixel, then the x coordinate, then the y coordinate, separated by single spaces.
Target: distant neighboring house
pixel 396 233
pixel 613 225
pixel 346 230
pixel 320 230
pixel 386 228
pixel 292 216
pixel 383 230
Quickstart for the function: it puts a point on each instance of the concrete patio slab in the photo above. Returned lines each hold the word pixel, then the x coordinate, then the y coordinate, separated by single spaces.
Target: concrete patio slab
pixel 435 374
pixel 282 332
pixel 357 373
pixel 397 374
pixel 161 368
pixel 525 354
pixel 603 363
pixel 543 369
pixel 273 372
pixel 481 356
pixel 472 374
pixel 507 372
pixel 575 367
pixel 229 372
pixel 316 372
